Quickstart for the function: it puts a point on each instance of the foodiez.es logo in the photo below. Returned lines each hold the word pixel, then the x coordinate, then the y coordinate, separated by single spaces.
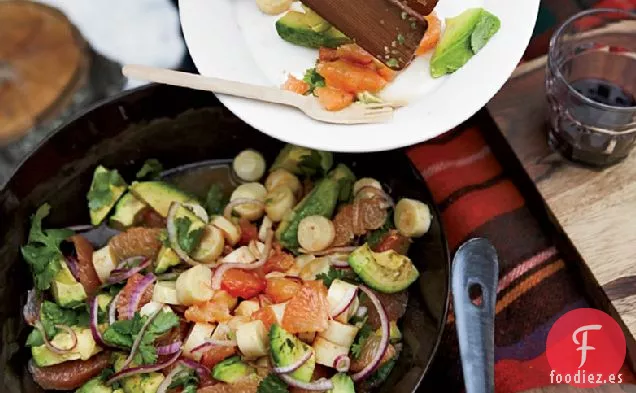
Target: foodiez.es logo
pixel 585 348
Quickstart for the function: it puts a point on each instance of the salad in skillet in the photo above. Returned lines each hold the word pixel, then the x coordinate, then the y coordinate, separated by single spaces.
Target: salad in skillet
pixel 293 282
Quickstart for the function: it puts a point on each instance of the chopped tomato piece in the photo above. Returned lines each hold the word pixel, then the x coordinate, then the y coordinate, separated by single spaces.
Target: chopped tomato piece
pixel 279 261
pixel 327 54
pixel 393 240
pixel 308 310
pixel 265 315
pixel 281 289
pixel 216 355
pixel 353 53
pixel 296 85
pixel 249 232
pixel 333 99
pixel 350 77
pixel 432 34
pixel 242 283
pixel 216 309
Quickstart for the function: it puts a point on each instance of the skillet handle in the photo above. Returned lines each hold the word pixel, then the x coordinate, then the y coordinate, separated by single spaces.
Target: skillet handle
pixel 475 266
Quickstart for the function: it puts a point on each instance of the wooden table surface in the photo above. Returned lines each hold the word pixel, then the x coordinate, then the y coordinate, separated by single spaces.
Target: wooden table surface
pixel 594 209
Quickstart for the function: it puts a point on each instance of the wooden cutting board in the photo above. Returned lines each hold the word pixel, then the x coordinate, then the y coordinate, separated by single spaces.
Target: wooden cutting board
pixel 594 211
pixel 43 61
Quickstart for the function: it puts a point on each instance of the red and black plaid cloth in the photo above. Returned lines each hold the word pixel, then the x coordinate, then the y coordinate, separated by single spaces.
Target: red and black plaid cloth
pixel 477 198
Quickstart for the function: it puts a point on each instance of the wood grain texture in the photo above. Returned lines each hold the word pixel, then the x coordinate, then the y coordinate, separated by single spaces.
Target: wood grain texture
pixel 42 62
pixel 595 209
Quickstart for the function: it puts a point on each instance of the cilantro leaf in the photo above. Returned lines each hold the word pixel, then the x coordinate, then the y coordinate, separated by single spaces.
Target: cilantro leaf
pixel 35 339
pixel 360 340
pixel 151 169
pixel 313 79
pixel 382 372
pixel 51 314
pixel 100 193
pixel 215 200
pixel 272 384
pixel 187 378
pixel 42 252
pixel 163 323
pixel 337 274
pixel 188 240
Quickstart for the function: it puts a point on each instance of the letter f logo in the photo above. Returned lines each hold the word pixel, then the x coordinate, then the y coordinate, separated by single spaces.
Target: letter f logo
pixel 584 347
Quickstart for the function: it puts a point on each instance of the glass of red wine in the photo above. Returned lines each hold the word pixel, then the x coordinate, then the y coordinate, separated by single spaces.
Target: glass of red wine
pixel 591 87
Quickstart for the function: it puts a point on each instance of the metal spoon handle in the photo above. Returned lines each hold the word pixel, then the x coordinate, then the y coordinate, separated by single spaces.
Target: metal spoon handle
pixel 475 268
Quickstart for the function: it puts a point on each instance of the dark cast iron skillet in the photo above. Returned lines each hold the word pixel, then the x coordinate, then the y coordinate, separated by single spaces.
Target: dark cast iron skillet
pixel 180 126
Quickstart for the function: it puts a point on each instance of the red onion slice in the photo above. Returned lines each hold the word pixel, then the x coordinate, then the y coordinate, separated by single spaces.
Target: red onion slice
pixel 127 372
pixel 172 235
pixel 345 302
pixel 137 293
pixel 50 345
pixel 227 212
pixel 71 263
pixel 201 370
pixel 294 366
pixel 165 384
pixel 338 263
pixel 220 271
pixel 211 343
pixel 342 363
pixel 197 210
pixel 384 340
pixel 122 273
pixel 140 335
pixel 320 384
pixel 97 335
pixel 112 309
pixel 169 349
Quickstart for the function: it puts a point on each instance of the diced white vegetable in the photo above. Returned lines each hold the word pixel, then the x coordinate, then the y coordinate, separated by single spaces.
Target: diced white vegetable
pixel 312 269
pixel 211 246
pixel 303 260
pixel 256 191
pixel 165 292
pixel 247 308
pixel 249 165
pixel 240 255
pixel 307 337
pixel 266 226
pixel 252 340
pixel 237 321
pixel 412 218
pixel 199 334
pixel 365 182
pixel 279 311
pixel 152 307
pixel 337 291
pixel 340 334
pixel 315 233
pixel 274 7
pixel 282 177
pixel 278 202
pixel 104 262
pixel 194 285
pixel 327 352
pixel 231 232
pixel 222 332
pixel 350 312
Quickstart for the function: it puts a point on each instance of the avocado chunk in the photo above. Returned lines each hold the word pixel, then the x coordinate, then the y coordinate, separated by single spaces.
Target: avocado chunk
pixel 464 36
pixel 106 189
pixel 95 385
pixel 345 178
pixel 295 27
pixel 85 348
pixel 287 349
pixel 231 370
pixel 303 161
pixel 127 212
pixel 140 383
pixel 321 201
pixel 315 21
pixel 159 195
pixel 342 383
pixel 166 259
pixel 395 335
pixel 67 291
pixel 387 271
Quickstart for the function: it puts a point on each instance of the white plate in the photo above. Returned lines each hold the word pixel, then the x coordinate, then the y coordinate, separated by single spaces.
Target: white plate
pixel 233 39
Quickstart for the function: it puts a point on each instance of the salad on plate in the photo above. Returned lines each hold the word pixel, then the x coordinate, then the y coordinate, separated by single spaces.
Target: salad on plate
pixel 293 280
